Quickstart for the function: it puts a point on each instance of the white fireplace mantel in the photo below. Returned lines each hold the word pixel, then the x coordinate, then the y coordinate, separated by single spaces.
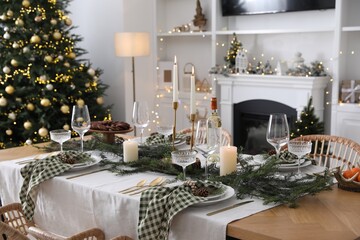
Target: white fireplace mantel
pixel 292 91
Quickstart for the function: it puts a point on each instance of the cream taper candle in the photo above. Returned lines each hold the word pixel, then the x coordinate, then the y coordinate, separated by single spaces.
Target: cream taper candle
pixel 228 159
pixel 175 82
pixel 192 91
pixel 130 151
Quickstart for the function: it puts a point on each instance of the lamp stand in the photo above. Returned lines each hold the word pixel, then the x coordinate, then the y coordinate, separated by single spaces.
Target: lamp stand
pixel 133 79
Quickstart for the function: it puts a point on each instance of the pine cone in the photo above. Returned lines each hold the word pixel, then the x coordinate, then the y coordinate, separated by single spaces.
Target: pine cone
pixel 67 158
pixel 201 192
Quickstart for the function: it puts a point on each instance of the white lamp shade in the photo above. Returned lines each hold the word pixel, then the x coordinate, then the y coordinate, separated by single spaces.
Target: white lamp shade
pixel 132 44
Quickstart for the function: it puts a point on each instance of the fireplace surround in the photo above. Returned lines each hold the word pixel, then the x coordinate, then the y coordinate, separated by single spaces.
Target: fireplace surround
pixel 267 94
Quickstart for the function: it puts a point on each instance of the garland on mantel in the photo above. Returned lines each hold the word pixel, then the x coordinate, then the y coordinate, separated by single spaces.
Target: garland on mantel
pixel 250 180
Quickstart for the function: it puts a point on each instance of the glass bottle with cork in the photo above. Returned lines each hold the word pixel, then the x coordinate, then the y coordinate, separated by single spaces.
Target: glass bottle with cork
pixel 213 125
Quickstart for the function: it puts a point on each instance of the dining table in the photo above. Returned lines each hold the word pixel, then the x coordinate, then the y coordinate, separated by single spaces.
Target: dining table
pixel 333 214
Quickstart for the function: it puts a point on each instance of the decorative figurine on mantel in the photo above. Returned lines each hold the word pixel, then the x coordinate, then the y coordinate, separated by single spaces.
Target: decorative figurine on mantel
pixel 298 60
pixel 199 20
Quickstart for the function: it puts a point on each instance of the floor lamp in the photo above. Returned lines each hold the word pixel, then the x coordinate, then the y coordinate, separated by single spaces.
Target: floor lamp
pixel 132 44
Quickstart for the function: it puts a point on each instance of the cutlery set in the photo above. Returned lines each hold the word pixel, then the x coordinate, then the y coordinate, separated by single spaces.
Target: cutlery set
pixel 141 186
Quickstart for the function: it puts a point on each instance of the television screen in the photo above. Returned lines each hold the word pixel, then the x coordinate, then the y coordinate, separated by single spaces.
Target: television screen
pixel 245 7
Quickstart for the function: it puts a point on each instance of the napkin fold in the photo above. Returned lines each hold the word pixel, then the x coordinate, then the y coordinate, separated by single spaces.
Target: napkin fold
pixel 35 173
pixel 158 138
pixel 159 205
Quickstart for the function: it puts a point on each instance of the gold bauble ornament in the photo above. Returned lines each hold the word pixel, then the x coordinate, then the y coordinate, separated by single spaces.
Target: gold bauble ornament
pixel 100 100
pixel 15 45
pixel 6 70
pixel 45 37
pixel 10 13
pixel 38 19
pixel 19 22
pixel 12 116
pixel 65 109
pixel 71 55
pixel 9 89
pixel 14 63
pixel 66 64
pixel 48 59
pixel 27 125
pixel 3 102
pixel 53 21
pixel 45 102
pixel 3 17
pixel 35 39
pixel 87 85
pixel 66 127
pixel 28 142
pixel 91 72
pixel 9 132
pixel 43 132
pixel 80 102
pixel 26 3
pixel 26 50
pixel 30 107
pixel 68 21
pixel 57 35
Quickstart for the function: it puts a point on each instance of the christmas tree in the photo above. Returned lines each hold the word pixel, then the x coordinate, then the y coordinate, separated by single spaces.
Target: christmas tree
pixel 235 46
pixel 308 123
pixel 41 74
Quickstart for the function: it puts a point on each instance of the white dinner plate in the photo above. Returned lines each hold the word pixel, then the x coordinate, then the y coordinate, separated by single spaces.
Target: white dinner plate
pixel 228 193
pixel 177 142
pixel 295 163
pixel 304 164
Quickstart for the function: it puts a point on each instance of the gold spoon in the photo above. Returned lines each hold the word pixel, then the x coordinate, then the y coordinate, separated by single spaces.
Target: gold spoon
pixel 138 185
pixel 160 182
pixel 152 183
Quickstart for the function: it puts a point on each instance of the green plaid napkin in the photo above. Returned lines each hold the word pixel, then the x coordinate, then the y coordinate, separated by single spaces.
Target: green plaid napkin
pixel 35 173
pixel 159 205
pixel 158 138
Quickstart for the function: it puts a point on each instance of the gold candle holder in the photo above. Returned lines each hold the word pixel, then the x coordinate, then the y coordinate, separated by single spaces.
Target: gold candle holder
pixel 192 119
pixel 175 107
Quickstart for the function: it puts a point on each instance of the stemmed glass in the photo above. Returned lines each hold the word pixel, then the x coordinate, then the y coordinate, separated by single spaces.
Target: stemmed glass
pixel 277 133
pixel 60 136
pixel 183 158
pixel 165 128
pixel 300 149
pixel 80 121
pixel 141 117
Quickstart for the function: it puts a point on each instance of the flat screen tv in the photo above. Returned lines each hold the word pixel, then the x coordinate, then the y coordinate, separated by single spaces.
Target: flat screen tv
pixel 246 7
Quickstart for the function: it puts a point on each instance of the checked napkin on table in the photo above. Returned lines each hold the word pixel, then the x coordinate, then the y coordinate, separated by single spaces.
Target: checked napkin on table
pixel 159 205
pixel 35 173
pixel 158 138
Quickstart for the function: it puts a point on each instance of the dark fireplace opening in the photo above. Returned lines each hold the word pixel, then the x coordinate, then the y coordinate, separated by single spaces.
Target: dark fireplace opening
pixel 251 120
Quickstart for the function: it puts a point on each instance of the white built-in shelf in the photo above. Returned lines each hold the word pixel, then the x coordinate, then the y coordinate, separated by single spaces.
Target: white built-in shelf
pixel 351 29
pixel 184 34
pixel 274 31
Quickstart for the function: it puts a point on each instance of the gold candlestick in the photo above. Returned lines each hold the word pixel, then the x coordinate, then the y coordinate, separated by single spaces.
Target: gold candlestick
pixel 192 119
pixel 175 107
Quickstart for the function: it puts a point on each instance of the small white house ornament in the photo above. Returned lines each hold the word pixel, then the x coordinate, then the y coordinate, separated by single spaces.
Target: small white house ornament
pixel 241 62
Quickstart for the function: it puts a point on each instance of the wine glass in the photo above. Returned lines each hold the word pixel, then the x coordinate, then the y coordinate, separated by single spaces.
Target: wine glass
pixel 80 121
pixel 60 136
pixel 277 133
pixel 201 145
pixel 141 117
pixel 300 149
pixel 183 158
pixel 165 127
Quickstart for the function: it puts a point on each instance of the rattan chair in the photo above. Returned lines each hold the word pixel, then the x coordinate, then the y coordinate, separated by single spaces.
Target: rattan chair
pixel 333 151
pixel 122 238
pixel 11 233
pixel 12 214
pixel 90 234
pixel 225 136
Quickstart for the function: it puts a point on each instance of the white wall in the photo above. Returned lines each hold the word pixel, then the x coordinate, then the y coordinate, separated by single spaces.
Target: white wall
pixel 97 23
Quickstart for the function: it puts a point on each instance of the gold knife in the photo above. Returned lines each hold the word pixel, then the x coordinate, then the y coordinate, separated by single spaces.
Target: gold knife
pixel 228 208
pixel 87 173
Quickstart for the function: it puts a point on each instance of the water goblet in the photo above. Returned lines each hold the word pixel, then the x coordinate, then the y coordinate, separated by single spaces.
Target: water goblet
pixel 300 149
pixel 165 129
pixel 183 158
pixel 277 133
pixel 141 117
pixel 80 121
pixel 60 136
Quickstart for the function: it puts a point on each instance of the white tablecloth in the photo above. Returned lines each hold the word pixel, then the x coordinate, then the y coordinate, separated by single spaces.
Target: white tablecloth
pixel 67 206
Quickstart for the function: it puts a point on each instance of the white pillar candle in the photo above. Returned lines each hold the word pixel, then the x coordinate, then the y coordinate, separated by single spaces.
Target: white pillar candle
pixel 192 91
pixel 228 159
pixel 175 82
pixel 130 151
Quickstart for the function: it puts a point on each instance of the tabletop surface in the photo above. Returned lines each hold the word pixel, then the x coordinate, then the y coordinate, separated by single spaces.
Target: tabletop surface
pixel 328 215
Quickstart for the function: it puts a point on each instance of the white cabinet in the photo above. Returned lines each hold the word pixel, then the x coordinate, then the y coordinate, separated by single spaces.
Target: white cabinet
pixel 331 36
pixel 345 117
